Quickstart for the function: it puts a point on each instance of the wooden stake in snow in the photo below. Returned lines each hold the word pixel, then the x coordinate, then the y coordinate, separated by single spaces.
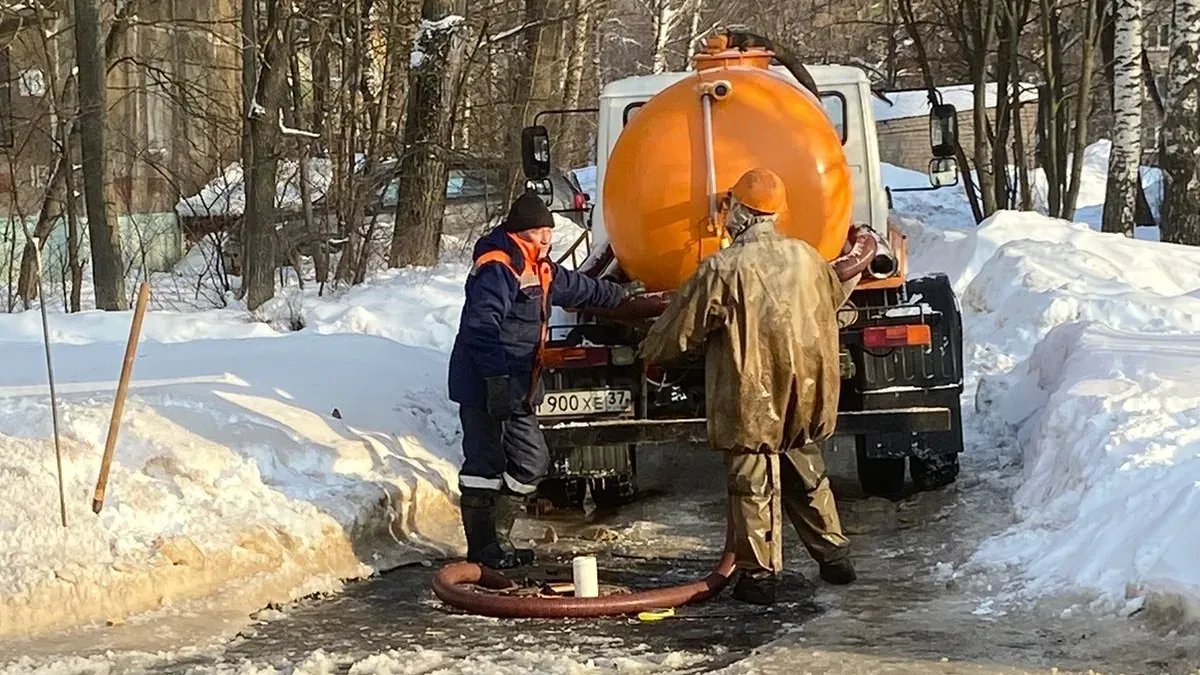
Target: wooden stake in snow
pixel 114 424
pixel 62 498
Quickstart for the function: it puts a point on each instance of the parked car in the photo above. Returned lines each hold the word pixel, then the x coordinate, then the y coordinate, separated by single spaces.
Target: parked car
pixel 474 199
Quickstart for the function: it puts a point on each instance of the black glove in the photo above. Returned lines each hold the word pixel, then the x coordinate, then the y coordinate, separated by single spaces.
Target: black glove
pixel 499 398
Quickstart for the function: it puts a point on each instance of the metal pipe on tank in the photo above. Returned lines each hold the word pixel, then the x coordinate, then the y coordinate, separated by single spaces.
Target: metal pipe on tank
pixel 706 101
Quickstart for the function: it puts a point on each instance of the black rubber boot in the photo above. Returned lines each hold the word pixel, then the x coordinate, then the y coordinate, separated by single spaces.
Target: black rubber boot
pixel 479 526
pixel 508 507
pixel 756 589
pixel 840 572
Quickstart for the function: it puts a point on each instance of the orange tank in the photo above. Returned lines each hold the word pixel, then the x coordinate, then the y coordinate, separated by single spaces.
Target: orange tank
pixel 656 194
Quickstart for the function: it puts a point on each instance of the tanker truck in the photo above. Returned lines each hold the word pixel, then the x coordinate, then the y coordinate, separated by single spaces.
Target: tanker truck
pixel 668 146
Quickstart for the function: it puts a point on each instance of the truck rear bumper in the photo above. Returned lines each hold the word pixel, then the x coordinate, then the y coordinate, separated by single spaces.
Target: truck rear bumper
pixel 662 432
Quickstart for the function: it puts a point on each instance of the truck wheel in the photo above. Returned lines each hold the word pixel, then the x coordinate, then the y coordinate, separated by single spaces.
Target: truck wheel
pixel 933 472
pixel 934 462
pixel 879 477
pixel 564 493
pixel 614 491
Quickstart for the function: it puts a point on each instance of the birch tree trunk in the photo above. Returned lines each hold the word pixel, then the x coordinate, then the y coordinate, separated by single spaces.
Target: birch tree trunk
pixel 576 145
pixel 1181 129
pixel 666 16
pixel 1124 161
pixel 423 171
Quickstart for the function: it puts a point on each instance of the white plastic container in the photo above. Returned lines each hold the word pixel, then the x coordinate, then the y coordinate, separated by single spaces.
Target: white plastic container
pixel 587 585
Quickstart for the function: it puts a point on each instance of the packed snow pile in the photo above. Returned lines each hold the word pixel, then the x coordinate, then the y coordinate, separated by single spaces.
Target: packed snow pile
pixel 1110 492
pixel 1085 348
pixel 252 464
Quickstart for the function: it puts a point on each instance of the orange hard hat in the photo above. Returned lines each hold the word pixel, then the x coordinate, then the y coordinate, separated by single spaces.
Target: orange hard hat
pixel 761 190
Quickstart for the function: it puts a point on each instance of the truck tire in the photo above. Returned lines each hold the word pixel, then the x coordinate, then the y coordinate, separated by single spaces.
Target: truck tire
pixel 611 492
pixel 934 462
pixel 879 477
pixel 936 471
pixel 564 493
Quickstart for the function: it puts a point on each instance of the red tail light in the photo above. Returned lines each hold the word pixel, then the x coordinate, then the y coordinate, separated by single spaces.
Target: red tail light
pixel 574 357
pixel 896 336
pixel 580 200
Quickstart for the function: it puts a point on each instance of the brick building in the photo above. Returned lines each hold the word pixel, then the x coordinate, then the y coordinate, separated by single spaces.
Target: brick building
pixel 172 117
pixel 902 122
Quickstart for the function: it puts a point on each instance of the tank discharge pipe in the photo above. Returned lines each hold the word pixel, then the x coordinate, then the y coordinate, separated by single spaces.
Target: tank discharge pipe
pixel 884 264
pixel 862 247
pixel 455 585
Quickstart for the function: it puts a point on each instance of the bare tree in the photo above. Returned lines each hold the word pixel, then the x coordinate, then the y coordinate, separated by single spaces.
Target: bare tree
pixel 433 81
pixel 264 119
pixel 114 47
pixel 103 234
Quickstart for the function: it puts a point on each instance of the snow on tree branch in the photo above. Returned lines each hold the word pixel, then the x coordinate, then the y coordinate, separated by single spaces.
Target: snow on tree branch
pixel 288 131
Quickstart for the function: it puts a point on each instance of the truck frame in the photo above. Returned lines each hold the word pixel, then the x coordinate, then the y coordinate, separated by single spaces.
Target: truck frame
pixel 901 356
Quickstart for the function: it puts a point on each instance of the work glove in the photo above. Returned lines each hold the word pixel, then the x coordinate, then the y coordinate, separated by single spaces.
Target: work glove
pixel 631 289
pixel 499 398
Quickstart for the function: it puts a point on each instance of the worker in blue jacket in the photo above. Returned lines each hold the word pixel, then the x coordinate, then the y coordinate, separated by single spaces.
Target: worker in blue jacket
pixel 495 373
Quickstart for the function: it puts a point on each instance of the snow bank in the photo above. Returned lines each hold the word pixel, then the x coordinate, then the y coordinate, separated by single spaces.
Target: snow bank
pixel 1086 349
pixel 1110 491
pixel 233 476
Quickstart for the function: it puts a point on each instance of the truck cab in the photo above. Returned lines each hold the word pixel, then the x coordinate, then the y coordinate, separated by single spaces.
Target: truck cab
pixel 900 397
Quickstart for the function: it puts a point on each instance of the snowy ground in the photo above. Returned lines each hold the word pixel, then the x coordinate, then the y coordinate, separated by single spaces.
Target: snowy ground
pixel 253 463
pixel 1085 350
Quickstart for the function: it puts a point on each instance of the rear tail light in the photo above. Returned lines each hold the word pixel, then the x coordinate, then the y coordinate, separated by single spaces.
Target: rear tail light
pixel 623 356
pixel 897 336
pixel 580 200
pixel 575 357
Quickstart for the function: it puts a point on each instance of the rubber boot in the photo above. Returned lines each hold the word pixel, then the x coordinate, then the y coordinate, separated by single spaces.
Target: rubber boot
pixel 756 588
pixel 840 572
pixel 479 526
pixel 508 507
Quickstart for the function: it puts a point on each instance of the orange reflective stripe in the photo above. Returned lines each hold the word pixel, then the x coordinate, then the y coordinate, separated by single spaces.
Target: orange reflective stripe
pixel 539 273
pixel 495 256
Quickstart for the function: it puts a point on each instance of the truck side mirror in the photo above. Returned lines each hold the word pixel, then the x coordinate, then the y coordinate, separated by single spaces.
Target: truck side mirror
pixel 943 130
pixel 535 152
pixel 943 172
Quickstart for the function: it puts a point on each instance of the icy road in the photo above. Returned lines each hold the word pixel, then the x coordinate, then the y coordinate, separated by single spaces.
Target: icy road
pixel 911 611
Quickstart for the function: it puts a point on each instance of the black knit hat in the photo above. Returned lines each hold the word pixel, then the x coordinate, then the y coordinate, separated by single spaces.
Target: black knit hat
pixel 528 213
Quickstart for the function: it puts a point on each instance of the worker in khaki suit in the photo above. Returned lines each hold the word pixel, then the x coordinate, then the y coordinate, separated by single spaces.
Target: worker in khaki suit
pixel 765 311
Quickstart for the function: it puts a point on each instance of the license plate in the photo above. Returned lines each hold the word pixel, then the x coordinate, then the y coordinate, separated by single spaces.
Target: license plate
pixel 595 402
